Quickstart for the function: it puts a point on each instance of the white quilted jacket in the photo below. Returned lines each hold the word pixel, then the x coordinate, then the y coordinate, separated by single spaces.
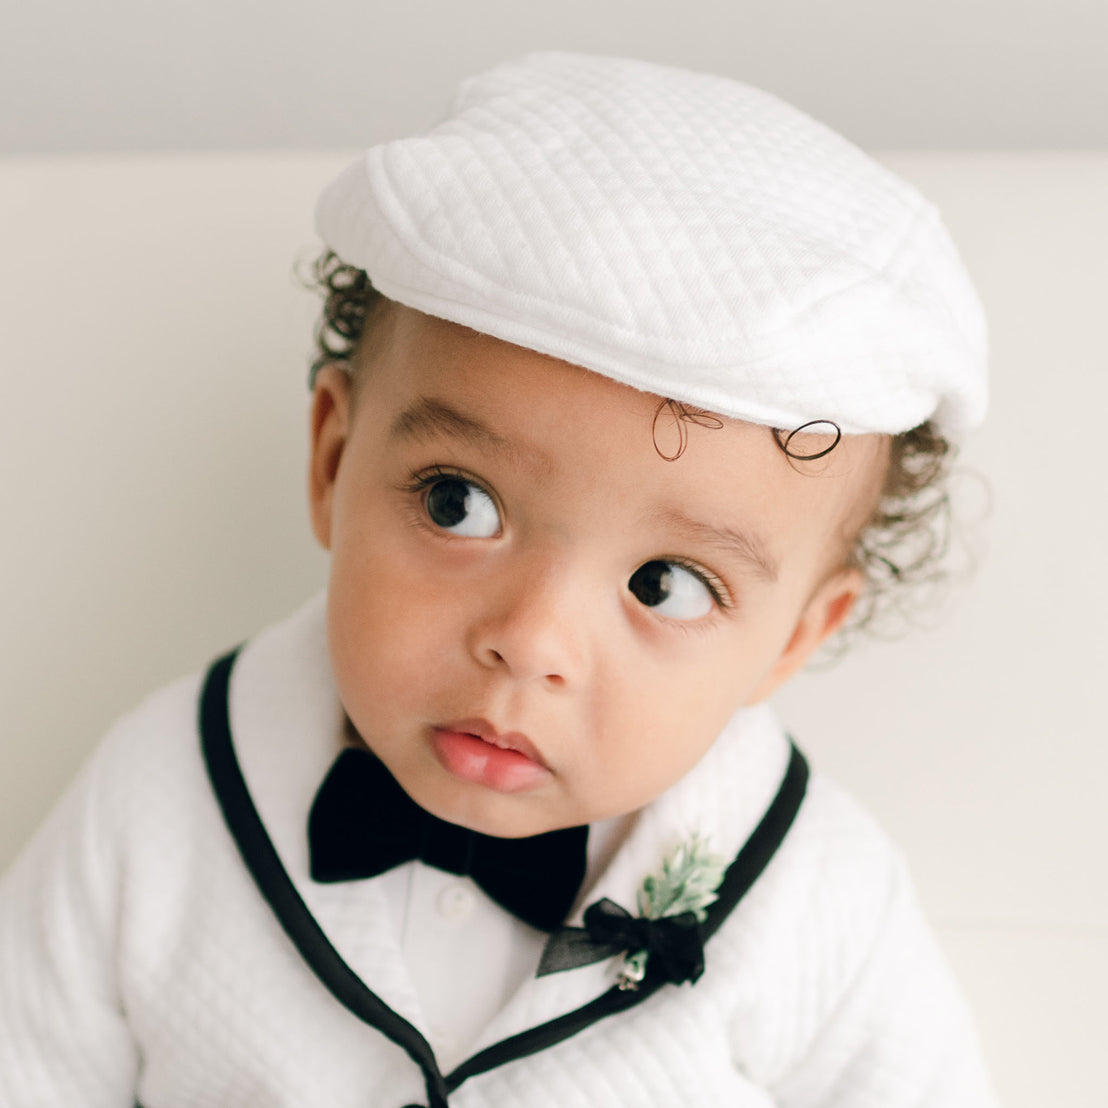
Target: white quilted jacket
pixel 138 961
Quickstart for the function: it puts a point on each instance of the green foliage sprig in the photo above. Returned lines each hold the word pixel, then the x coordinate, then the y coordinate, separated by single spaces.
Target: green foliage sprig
pixel 688 881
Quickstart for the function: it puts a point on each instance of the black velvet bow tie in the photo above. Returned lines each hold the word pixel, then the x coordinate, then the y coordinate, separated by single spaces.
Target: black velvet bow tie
pixel 362 823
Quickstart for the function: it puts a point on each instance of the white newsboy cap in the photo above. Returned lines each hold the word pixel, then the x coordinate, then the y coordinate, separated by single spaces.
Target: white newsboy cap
pixel 681 233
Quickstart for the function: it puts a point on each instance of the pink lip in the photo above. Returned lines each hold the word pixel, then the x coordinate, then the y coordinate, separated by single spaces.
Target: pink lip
pixel 473 750
pixel 510 740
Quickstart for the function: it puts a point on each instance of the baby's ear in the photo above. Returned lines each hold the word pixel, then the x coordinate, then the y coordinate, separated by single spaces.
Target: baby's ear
pixel 824 614
pixel 329 429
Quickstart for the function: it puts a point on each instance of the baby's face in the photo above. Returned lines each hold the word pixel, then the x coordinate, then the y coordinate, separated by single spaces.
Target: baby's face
pixel 535 620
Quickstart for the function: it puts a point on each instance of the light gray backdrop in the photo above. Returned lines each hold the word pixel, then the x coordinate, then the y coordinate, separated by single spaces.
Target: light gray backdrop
pixel 231 74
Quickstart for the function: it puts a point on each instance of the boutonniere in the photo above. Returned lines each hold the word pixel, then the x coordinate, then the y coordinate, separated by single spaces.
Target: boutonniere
pixel 672 904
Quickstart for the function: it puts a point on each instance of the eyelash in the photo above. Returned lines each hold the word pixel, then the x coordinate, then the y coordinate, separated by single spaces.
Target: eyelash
pixel 421 480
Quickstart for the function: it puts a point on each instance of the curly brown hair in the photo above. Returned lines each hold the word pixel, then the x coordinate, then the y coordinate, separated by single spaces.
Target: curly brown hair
pixel 900 548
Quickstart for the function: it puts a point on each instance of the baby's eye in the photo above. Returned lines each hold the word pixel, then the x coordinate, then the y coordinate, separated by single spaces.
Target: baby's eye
pixel 671 590
pixel 462 508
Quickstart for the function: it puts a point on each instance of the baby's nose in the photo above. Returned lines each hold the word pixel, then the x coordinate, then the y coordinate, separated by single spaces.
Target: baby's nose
pixel 534 630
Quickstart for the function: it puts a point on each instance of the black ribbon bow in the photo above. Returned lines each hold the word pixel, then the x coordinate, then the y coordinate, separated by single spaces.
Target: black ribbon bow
pixel 674 943
pixel 362 823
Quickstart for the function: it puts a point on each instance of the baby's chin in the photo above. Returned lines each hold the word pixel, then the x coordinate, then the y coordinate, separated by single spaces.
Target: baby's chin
pixel 504 818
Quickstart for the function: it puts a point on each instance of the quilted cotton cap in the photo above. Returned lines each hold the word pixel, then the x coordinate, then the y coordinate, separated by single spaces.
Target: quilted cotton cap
pixel 682 233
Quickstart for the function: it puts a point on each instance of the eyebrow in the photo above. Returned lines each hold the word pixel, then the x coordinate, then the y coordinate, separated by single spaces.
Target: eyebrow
pixel 430 418
pixel 746 546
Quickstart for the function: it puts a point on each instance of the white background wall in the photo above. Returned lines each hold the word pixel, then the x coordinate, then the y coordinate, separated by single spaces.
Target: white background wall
pixel 152 407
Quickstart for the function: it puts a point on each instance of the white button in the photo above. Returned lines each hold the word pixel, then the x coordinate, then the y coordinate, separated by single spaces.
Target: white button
pixel 456 903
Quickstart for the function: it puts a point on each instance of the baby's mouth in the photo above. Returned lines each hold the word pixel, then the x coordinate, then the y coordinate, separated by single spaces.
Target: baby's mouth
pixel 473 750
pixel 487 733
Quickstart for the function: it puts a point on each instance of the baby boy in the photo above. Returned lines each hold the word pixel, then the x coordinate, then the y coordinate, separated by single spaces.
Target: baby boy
pixel 631 383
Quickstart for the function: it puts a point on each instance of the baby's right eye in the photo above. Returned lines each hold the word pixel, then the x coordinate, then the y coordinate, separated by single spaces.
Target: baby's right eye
pixel 461 507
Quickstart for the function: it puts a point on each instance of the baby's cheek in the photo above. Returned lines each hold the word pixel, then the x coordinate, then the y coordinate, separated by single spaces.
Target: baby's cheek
pixel 386 657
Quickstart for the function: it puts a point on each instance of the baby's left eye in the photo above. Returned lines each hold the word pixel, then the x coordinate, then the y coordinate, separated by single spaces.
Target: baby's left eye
pixel 461 507
pixel 671 590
